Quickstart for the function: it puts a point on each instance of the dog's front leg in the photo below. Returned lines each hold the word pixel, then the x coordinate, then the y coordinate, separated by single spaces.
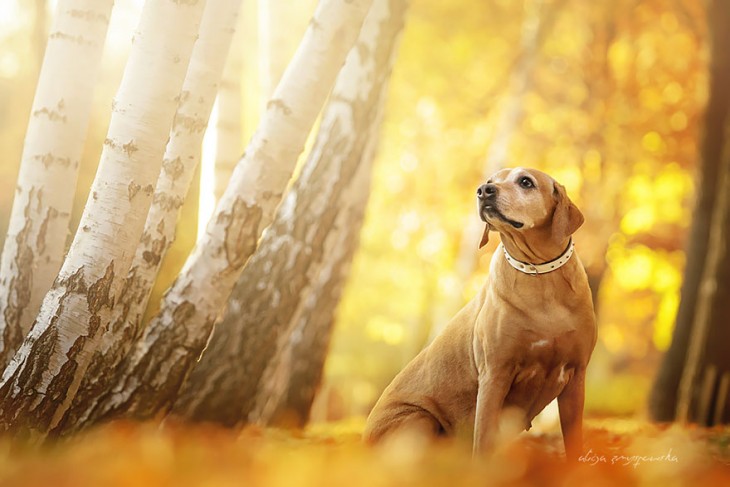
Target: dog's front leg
pixel 492 391
pixel 570 405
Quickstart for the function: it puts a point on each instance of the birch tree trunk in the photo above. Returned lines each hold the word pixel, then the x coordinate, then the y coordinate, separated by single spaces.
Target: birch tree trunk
pixel 40 382
pixel 284 275
pixel 178 168
pixel 229 145
pixel 292 376
pixel 40 31
pixel 54 141
pixel 151 376
pixel 281 24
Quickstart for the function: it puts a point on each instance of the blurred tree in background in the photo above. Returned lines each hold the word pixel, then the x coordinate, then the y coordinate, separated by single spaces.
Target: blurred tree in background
pixel 693 382
pixel 612 109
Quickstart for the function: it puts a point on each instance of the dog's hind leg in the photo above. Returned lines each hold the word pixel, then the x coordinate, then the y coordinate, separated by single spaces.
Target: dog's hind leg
pixel 412 422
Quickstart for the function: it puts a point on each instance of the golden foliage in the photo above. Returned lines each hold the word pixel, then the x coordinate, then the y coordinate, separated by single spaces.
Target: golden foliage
pixel 612 108
pixel 616 453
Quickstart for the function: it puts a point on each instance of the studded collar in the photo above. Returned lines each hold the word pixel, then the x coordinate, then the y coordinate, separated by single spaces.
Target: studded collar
pixel 535 269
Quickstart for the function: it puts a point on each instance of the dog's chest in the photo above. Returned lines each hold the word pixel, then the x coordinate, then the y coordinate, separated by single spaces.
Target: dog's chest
pixel 541 375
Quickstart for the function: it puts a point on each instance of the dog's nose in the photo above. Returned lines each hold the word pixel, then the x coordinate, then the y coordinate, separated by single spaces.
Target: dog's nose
pixel 486 190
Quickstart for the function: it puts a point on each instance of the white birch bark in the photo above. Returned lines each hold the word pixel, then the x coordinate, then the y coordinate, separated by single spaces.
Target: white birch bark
pixel 54 141
pixel 284 276
pixel 40 382
pixel 229 146
pixel 288 384
pixel 178 168
pixel 157 366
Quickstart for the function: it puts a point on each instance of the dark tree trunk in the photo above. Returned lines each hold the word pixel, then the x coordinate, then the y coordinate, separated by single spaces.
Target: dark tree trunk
pixel 704 390
pixel 664 394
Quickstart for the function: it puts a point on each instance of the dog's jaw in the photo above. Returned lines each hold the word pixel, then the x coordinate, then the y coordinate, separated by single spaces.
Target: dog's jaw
pixel 490 211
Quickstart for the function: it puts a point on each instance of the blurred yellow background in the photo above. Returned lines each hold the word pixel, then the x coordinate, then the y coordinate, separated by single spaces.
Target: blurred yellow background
pixel 605 96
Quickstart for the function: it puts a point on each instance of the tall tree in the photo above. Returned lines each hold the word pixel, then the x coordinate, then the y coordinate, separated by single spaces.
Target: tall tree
pixel 280 26
pixel 229 141
pixel 40 31
pixel 602 191
pixel 538 21
pixel 293 374
pixel 150 378
pixel 299 258
pixel 664 395
pixel 178 168
pixel 40 382
pixel 704 389
pixel 54 141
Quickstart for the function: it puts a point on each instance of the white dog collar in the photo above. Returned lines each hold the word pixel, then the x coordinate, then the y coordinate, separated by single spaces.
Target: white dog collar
pixel 535 269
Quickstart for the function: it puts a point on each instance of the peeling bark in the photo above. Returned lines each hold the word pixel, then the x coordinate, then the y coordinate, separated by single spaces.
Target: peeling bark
pixel 54 141
pixel 178 168
pixel 285 275
pixel 150 378
pixel 41 381
pixel 293 373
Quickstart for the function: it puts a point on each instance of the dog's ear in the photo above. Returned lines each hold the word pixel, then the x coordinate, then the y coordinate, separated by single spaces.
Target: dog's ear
pixel 485 236
pixel 567 217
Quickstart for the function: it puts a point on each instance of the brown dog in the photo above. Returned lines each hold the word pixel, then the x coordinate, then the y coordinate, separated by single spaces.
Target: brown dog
pixel 524 340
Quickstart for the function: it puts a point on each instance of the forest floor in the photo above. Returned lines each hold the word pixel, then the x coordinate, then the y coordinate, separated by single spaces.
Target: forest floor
pixel 618 452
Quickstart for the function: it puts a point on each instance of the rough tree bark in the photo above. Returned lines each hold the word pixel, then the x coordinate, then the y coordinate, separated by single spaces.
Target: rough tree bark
pixel 664 395
pixel 152 374
pixel 54 141
pixel 40 382
pixel 178 169
pixel 278 280
pixel 292 376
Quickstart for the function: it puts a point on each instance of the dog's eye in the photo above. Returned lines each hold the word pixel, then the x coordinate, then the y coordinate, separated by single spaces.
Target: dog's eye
pixel 526 182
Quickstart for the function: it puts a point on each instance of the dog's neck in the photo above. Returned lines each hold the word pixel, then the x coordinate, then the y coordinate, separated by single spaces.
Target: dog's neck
pixel 534 250
pixel 535 269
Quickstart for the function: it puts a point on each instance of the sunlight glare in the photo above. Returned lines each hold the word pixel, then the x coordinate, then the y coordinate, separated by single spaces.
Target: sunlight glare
pixel 664 323
pixel 10 14
pixel 207 172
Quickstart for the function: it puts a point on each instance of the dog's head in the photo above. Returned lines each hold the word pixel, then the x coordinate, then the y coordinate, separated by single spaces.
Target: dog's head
pixel 518 200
